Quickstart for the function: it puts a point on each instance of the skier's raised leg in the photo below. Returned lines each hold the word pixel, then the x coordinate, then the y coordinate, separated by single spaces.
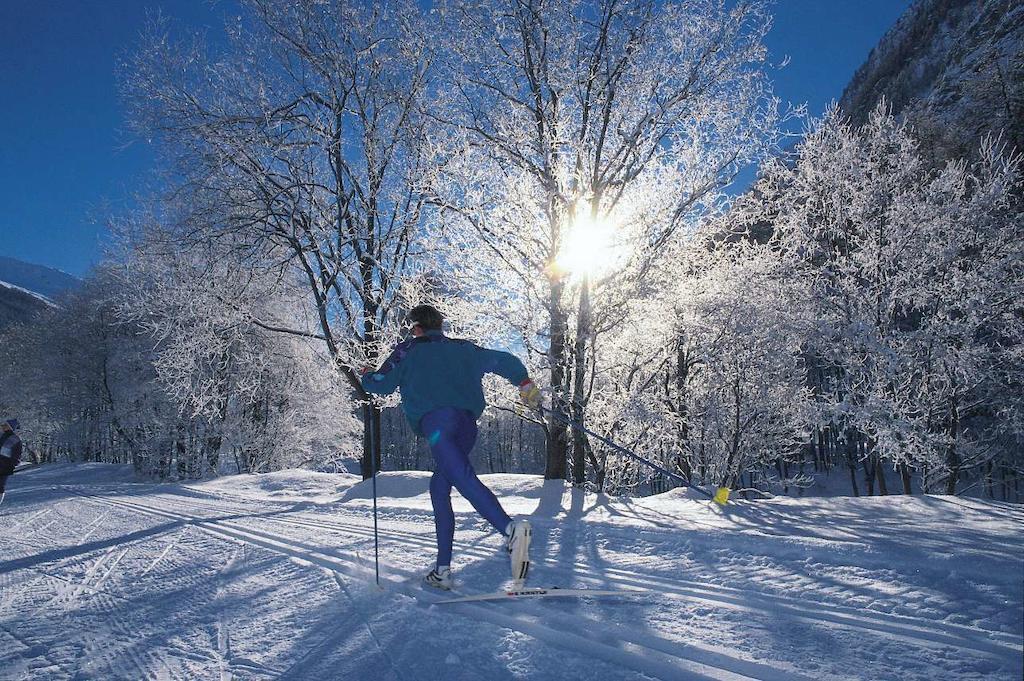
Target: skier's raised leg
pixel 451 434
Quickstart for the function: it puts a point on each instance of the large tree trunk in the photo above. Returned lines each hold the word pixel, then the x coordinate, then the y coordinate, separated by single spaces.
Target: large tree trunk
pixel 558 437
pixel 733 460
pixel 952 458
pixel 579 438
pixel 181 460
pixel 869 467
pixel 880 474
pixel 851 460
pixel 683 464
pixel 953 462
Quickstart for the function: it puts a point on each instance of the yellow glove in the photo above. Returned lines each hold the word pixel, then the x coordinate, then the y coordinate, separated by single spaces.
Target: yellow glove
pixel 529 394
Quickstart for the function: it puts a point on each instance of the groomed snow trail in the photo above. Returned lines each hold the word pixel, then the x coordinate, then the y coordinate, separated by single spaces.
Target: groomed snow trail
pixel 105 578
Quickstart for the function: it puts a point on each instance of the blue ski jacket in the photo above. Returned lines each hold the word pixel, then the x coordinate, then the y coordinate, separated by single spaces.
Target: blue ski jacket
pixel 434 371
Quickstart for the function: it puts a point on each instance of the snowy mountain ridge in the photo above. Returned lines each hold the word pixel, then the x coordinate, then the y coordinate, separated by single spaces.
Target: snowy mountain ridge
pixel 46 281
pixel 958 61
pixel 19 305
pixel 27 289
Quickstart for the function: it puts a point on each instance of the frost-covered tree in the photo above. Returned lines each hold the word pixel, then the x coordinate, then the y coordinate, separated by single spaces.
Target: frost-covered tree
pixel 708 377
pixel 915 277
pixel 163 360
pixel 580 139
pixel 743 323
pixel 83 383
pixel 968 347
pixel 301 143
pixel 261 396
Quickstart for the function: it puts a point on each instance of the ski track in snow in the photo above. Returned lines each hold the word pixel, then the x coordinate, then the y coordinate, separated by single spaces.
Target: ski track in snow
pixel 147 581
pixel 896 625
pixel 644 653
pixel 223 621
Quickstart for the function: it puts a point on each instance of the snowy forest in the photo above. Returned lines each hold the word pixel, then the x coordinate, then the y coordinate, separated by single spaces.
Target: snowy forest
pixel 748 296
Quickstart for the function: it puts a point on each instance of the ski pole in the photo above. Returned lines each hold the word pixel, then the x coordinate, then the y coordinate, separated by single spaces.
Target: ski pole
pixel 721 496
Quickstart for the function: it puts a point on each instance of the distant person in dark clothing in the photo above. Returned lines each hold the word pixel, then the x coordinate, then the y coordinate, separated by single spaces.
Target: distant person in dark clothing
pixel 10 450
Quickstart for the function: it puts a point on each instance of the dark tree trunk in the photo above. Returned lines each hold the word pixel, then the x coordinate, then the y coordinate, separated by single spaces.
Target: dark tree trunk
pixel 905 477
pixel 681 410
pixel 851 461
pixel 557 445
pixel 868 463
pixel 182 459
pixel 880 474
pixel 370 461
pixel 951 480
pixel 953 462
pixel 579 438
pixel 733 460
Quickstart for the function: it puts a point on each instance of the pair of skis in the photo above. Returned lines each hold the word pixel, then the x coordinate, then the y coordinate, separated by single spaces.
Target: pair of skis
pixel 518 593
pixel 518 549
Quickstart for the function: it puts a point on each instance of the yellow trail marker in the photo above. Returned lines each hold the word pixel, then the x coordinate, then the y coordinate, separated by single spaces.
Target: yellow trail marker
pixel 722 496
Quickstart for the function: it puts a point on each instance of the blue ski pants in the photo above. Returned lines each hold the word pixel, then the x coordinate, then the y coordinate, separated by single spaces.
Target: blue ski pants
pixel 451 434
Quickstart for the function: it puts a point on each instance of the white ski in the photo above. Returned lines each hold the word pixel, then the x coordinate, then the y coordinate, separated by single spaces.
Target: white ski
pixel 550 592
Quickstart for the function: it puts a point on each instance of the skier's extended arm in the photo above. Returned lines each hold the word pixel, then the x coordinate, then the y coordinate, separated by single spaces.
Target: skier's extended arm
pixel 505 364
pixel 385 380
pixel 508 366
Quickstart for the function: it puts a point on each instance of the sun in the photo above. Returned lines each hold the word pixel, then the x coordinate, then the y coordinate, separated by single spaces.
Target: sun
pixel 588 248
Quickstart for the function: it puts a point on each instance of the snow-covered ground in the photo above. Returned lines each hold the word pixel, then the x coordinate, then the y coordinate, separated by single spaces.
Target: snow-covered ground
pixel 266 577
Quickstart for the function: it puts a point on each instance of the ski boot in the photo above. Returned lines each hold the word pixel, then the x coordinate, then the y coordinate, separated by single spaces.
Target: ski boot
pixel 518 546
pixel 440 578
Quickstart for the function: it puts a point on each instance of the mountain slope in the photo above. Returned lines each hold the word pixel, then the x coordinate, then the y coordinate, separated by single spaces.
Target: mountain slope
pixel 27 289
pixel 18 305
pixel 39 279
pixel 957 63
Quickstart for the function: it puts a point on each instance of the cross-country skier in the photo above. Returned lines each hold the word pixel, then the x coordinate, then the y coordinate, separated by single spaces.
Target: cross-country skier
pixel 10 451
pixel 442 396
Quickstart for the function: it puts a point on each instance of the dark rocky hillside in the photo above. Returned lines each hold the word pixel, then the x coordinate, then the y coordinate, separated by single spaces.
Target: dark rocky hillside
pixel 955 67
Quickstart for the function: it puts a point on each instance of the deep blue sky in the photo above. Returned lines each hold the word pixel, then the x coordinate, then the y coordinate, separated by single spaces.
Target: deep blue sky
pixel 64 160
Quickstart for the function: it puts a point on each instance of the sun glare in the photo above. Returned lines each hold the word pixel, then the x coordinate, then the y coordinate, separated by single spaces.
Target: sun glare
pixel 588 248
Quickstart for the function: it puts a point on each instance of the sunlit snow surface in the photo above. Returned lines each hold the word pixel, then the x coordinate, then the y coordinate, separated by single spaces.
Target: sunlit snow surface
pixel 265 577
